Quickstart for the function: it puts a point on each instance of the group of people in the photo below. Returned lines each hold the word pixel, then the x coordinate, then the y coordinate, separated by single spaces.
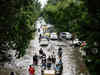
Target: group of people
pixel 50 61
pixel 47 62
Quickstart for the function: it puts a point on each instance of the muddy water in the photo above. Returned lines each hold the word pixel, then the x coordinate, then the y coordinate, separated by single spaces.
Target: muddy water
pixel 5 71
pixel 72 60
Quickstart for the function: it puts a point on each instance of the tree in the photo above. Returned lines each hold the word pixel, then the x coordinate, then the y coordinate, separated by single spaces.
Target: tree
pixel 16 24
pixel 82 18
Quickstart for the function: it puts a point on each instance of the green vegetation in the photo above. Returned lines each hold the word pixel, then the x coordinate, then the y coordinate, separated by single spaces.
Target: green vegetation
pixel 77 17
pixel 17 18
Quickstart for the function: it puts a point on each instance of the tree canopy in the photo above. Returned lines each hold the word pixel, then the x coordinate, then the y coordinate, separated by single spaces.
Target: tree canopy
pixel 80 17
pixel 17 18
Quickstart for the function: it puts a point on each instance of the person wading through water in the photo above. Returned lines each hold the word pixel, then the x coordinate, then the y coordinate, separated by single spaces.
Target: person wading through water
pixel 40 51
pixel 35 59
pixel 31 70
pixel 49 61
pixel 60 52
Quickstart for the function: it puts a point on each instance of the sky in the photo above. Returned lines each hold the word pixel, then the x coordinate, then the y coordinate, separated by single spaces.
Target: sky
pixel 43 2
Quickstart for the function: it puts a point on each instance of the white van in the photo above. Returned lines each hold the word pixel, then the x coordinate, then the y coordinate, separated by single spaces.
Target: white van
pixel 53 36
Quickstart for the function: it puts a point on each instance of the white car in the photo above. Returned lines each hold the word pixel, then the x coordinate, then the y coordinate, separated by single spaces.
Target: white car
pixel 44 42
pixel 66 35
pixel 53 36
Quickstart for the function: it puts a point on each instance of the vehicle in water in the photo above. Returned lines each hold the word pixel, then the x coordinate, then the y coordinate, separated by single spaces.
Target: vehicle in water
pixel 44 42
pixel 53 36
pixel 66 35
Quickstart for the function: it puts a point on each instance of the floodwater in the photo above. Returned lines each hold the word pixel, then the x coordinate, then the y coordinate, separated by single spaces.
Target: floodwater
pixel 73 63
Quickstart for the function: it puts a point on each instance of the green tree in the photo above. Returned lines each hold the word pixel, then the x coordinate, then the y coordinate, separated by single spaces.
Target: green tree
pixel 17 18
pixel 82 18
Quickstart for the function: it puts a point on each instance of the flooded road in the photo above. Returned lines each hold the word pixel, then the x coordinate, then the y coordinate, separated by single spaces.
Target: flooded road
pixel 72 61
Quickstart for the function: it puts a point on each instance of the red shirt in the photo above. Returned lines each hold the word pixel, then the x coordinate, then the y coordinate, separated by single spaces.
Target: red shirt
pixel 31 71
